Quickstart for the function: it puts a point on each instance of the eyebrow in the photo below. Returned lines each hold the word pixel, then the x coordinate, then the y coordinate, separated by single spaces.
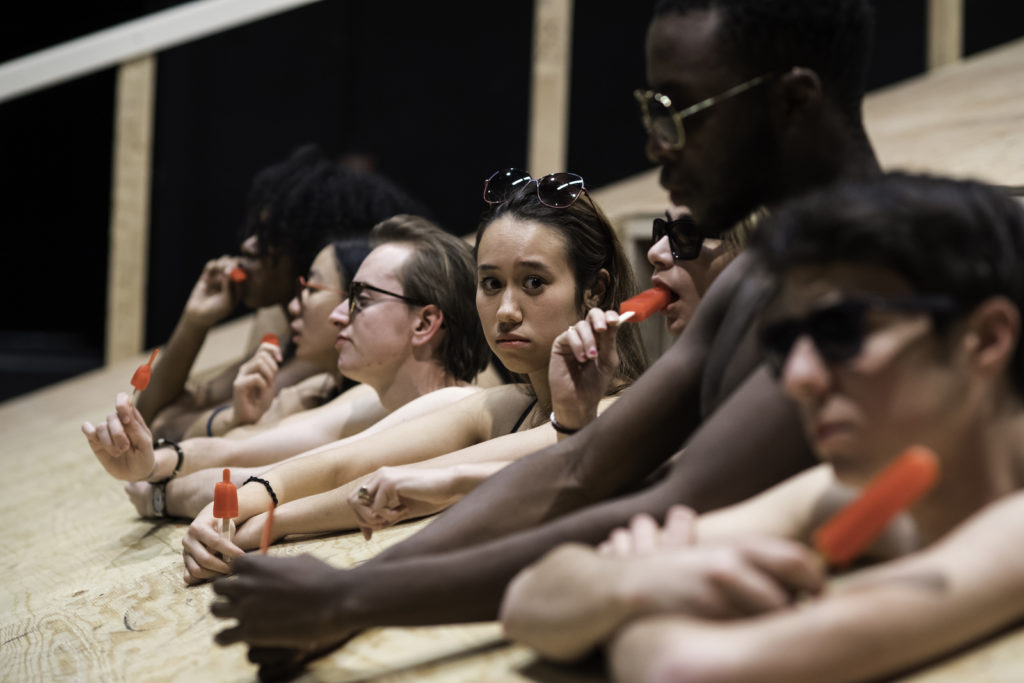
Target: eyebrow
pixel 535 265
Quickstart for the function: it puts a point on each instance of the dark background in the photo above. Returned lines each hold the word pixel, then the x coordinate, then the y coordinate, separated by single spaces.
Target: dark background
pixel 436 95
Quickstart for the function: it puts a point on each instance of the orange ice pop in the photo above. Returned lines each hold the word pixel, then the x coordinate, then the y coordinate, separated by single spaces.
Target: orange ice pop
pixel 237 274
pixel 140 380
pixel 225 503
pixel 851 530
pixel 645 304
pixel 270 338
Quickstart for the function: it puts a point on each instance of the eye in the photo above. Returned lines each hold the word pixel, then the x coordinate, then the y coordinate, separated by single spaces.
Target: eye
pixel 532 282
pixel 489 285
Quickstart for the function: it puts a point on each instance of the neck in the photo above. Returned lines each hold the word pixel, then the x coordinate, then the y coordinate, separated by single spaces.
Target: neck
pixel 411 380
pixel 541 389
pixel 840 152
pixel 984 464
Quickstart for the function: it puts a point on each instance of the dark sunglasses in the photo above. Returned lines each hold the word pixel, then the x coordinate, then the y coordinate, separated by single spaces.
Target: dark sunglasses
pixel 838 330
pixel 356 290
pixel 556 190
pixel 684 237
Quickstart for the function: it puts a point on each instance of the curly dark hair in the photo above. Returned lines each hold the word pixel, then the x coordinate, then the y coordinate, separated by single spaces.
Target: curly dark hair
pixel 297 206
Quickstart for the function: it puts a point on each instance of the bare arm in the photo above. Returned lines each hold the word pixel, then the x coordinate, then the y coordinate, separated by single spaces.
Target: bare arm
pixel 875 623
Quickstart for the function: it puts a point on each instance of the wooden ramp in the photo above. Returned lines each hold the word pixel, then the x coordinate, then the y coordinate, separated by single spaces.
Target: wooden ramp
pixel 90 592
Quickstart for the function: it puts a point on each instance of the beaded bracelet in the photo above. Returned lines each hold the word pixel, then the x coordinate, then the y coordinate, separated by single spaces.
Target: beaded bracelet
pixel 160 443
pixel 266 485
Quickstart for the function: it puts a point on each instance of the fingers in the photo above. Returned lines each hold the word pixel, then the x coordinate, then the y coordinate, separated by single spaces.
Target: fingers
pixel 134 425
pixel 204 549
pixel 794 565
pixel 680 528
pixel 590 337
pixel 140 493
pixel 119 441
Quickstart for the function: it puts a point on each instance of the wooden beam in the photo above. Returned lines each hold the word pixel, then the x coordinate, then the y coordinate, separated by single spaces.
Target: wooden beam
pixel 127 269
pixel 133 39
pixel 945 32
pixel 549 95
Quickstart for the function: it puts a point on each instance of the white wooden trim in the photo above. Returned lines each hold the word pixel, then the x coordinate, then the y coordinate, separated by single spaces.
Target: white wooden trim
pixel 130 40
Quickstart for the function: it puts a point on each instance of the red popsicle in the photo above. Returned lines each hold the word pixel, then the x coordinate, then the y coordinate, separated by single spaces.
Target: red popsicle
pixel 237 275
pixel 270 338
pixel 645 304
pixel 225 503
pixel 851 530
pixel 140 380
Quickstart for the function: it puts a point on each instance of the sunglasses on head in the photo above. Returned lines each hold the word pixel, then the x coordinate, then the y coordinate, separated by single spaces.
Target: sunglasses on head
pixel 356 289
pixel 556 190
pixel 838 331
pixel 684 237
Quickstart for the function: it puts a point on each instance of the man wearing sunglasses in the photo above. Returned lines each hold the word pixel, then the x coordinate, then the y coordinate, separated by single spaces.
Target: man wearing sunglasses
pixel 751 102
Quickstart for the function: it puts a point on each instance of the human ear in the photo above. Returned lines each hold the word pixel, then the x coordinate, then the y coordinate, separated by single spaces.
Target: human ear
pixel 798 92
pixel 428 323
pixel 596 292
pixel 991 335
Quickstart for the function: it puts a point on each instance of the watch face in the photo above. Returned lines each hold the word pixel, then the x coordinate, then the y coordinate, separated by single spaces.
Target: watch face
pixel 158 500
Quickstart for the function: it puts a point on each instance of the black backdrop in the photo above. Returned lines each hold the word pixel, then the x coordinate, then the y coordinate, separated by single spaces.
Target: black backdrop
pixel 436 95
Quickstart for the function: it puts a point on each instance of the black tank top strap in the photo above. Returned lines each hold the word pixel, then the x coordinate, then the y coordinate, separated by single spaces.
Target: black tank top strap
pixel 522 418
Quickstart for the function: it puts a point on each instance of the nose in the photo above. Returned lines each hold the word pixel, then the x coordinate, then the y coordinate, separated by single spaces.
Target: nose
pixel 660 254
pixel 295 305
pixel 339 316
pixel 508 309
pixel 805 374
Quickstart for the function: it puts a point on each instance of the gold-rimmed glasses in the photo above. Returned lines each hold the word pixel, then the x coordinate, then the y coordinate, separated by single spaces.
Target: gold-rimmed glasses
pixel 665 124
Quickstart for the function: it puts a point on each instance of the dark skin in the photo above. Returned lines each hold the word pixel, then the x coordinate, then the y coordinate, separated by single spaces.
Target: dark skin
pixel 695 395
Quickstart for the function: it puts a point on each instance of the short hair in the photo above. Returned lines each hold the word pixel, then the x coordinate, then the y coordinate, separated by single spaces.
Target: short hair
pixel 961 239
pixel 441 271
pixel 298 205
pixel 832 37
pixel 591 245
pixel 349 254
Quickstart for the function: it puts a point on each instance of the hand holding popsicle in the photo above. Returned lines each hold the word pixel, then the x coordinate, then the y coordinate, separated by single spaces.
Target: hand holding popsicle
pixel 849 532
pixel 123 443
pixel 225 505
pixel 584 361
pixel 215 294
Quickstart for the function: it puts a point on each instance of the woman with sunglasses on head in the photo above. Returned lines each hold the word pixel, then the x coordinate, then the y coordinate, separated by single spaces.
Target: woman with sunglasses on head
pixel 685 262
pixel 546 258
pixel 403 373
pixel 896 324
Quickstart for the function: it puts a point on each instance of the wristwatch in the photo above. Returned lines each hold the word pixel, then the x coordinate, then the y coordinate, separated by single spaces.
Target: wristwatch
pixel 160 499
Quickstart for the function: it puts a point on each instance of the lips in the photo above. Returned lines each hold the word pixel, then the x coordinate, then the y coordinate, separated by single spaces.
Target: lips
pixel 658 282
pixel 511 340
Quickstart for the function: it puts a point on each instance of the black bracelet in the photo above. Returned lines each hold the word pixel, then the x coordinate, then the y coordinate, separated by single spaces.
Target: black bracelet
pixel 266 485
pixel 209 422
pixel 160 443
pixel 559 428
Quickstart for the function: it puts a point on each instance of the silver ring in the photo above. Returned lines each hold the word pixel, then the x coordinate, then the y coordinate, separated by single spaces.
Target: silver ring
pixel 364 495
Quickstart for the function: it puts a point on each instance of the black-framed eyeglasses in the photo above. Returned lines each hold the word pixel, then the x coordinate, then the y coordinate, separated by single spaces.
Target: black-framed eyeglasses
pixel 355 293
pixel 838 331
pixel 684 237
pixel 556 190
pixel 307 286
pixel 665 124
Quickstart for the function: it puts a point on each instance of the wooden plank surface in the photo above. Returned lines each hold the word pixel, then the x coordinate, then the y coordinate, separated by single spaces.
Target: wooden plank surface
pixel 90 592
